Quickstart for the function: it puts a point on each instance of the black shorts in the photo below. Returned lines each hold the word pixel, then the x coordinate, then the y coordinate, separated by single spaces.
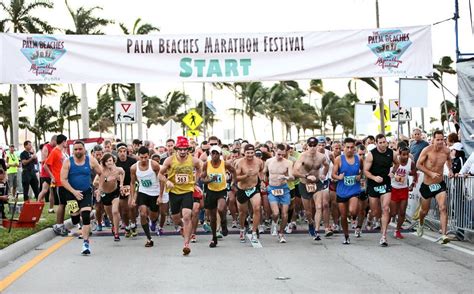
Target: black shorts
pixel 148 201
pixel 197 200
pixel 212 197
pixel 363 196
pixel 345 199
pixel 430 191
pixel 378 189
pixel 181 201
pixel 244 195
pixel 107 198
pixel 86 200
pixel 309 195
pixel 60 197
pixel 45 180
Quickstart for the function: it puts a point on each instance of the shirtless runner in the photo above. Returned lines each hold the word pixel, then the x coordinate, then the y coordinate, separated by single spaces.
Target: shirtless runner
pixel 431 163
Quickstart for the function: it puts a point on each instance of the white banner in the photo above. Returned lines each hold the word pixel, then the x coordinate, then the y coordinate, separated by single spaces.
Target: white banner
pixel 32 59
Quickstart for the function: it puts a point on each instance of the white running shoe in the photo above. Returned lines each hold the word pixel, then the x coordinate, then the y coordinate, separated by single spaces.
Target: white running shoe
pixel 274 229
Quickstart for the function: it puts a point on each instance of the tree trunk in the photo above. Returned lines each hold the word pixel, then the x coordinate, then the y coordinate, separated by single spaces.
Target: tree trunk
pixel 253 129
pixel 34 106
pixel 273 133
pixel 69 128
pixel 445 105
pixel 5 134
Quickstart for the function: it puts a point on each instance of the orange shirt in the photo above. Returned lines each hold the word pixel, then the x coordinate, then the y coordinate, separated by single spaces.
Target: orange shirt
pixel 55 163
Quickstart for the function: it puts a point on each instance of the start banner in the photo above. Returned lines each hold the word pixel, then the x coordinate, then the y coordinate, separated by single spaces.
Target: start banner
pixel 37 59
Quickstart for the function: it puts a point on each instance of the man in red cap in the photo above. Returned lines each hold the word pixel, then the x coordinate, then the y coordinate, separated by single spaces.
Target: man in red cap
pixel 182 170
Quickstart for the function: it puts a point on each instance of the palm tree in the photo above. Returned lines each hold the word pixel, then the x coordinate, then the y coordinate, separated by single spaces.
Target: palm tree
pixel 353 84
pixel 253 96
pixel 45 122
pixel 327 110
pixel 20 18
pixel 210 118
pixel 102 117
pixel 151 110
pixel 139 29
pixel 446 107
pixel 68 103
pixel 6 117
pixel 171 106
pixel 443 67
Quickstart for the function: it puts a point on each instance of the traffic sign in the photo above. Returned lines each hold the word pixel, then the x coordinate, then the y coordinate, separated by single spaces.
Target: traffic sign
pixel 395 112
pixel 192 119
pixel 193 133
pixel 125 112
pixel 386 113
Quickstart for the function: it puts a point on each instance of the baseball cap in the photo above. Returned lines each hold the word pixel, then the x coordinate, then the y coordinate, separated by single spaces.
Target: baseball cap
pixel 216 148
pixel 321 139
pixel 371 147
pixel 258 153
pixel 121 145
pixel 312 140
pixel 137 142
pixel 182 142
pixel 457 146
pixel 299 147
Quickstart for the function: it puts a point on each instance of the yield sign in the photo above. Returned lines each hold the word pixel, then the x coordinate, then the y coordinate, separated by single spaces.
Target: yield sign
pixel 126 106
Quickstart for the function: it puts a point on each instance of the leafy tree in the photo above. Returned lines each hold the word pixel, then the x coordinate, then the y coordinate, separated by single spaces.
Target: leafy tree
pixel 6 115
pixel 20 18
pixel 444 67
pixel 68 105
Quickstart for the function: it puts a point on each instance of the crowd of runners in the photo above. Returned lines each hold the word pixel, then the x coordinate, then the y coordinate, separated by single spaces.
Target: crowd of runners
pixel 361 184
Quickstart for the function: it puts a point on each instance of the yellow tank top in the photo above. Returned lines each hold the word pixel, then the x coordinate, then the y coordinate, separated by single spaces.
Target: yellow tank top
pixel 182 175
pixel 220 184
pixel 12 159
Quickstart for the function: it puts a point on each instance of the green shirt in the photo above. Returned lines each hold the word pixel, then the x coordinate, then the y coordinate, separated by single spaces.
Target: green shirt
pixel 12 159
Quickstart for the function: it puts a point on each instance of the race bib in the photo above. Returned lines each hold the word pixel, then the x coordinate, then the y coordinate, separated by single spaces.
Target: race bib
pixel 434 187
pixel 146 183
pixel 72 206
pixel 311 188
pixel 249 192
pixel 349 180
pixel 181 179
pixel 278 192
pixel 218 178
pixel 381 189
pixel 362 184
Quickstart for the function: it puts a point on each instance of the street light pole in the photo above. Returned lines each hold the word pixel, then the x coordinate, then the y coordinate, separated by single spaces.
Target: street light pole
pixel 381 104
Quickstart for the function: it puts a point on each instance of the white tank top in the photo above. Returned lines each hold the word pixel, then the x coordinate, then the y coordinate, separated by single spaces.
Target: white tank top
pixel 147 181
pixel 327 154
pixel 402 171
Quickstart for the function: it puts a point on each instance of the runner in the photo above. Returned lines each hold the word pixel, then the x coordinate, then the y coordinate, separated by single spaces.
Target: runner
pixel 363 197
pixel 249 171
pixel 431 162
pixel 232 188
pixel 399 199
pixel 129 216
pixel 52 166
pixel 111 185
pixel 214 175
pixel 45 180
pixel 322 196
pixel 347 172
pixel 377 167
pixel 146 173
pixel 97 153
pixel 181 180
pixel 280 171
pixel 308 169
pixel 77 185
pixel 163 206
pixel 333 204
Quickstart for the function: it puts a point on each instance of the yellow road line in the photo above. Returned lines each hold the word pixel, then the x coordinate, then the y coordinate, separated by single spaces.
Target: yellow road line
pixel 30 264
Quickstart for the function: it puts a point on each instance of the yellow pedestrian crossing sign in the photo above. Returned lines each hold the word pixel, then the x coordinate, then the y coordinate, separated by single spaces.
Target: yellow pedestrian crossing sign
pixel 192 119
pixel 193 133
pixel 386 117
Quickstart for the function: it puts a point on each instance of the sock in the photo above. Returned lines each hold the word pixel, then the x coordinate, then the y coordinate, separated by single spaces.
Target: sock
pixel 146 229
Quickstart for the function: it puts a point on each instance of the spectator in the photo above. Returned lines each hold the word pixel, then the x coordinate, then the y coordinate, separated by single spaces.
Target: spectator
pixel 13 162
pixel 459 157
pixel 418 144
pixel 3 194
pixel 28 175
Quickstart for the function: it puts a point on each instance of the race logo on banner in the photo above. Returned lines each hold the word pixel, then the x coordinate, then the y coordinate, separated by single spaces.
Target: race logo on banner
pixel 43 52
pixel 389 46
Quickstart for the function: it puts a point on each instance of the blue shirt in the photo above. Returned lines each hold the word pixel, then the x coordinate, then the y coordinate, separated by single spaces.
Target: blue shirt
pixel 348 186
pixel 80 175
pixel 416 148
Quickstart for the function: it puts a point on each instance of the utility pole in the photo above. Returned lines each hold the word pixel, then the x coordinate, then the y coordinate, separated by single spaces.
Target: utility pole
pixel 381 104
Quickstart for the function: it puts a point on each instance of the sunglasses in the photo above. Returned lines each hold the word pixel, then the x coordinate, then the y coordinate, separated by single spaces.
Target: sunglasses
pixel 213 144
pixel 312 145
pixel 182 149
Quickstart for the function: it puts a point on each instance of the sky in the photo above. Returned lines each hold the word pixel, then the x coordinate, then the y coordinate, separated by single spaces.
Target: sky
pixel 212 16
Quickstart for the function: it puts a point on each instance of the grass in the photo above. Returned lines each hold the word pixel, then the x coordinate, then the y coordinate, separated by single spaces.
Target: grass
pixel 47 220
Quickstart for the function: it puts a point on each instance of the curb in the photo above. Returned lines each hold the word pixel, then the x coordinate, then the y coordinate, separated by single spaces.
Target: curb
pixel 17 249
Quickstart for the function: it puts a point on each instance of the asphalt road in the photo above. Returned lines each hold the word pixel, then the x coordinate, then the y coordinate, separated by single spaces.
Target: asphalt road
pixel 301 265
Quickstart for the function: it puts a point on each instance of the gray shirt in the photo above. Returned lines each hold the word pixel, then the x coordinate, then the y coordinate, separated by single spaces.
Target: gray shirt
pixel 416 147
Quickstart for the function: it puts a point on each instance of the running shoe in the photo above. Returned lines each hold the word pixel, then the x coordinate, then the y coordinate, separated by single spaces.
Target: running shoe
pixel 261 229
pixel 357 232
pixel 206 227
pixel 328 233
pixel 64 232
pixel 50 210
pixel 186 249
pixel 99 228
pixel 152 226
pixel 128 233
pixel 383 242
pixel 317 237
pixel 242 236
pixel 116 237
pixel 107 222
pixel 274 229
pixel 193 238
pixel 133 228
pixel 254 238
pixel 293 225
pixel 224 230
pixel 86 250
pixel 420 229
pixel 398 235
pixel 213 243
pixel 234 224
pixel 160 232
pixel 282 239
pixel 346 240
pixel 335 228
pixel 57 230
pixel 219 235
pixel 288 229
pixel 311 230
pixel 353 224
pixel 149 243
pixel 444 239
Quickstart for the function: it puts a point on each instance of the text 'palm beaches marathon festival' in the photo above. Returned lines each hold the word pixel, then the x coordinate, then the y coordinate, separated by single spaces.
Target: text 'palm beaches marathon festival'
pixel 341 169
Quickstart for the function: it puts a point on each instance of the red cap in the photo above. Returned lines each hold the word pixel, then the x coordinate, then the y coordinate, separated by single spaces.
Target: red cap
pixel 182 142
